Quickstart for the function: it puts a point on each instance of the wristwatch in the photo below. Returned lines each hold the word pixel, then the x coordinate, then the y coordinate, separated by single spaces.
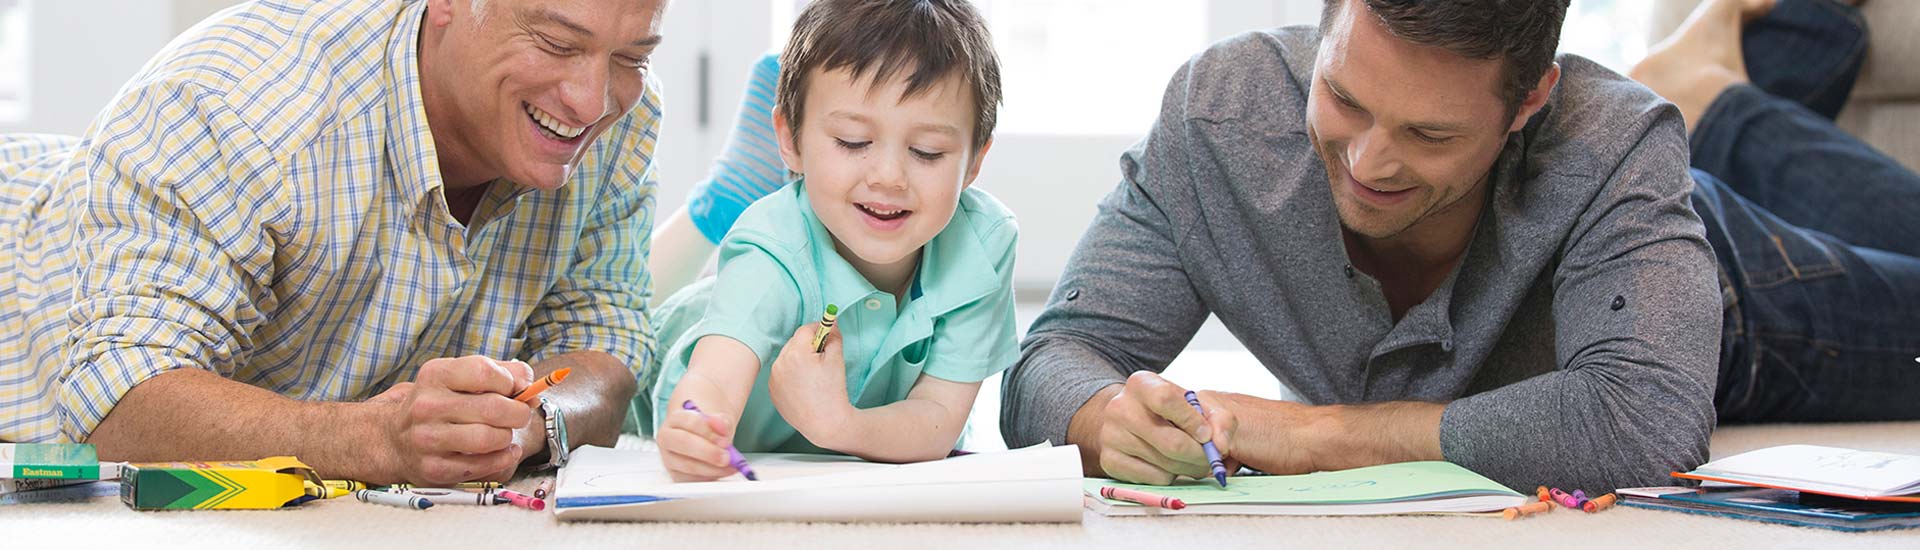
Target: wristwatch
pixel 557 450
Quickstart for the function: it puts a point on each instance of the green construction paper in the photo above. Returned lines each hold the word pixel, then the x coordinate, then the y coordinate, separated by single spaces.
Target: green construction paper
pixel 1406 481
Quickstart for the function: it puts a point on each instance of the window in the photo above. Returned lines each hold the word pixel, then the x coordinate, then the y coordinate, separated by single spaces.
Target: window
pixel 13 61
pixel 1078 66
pixel 1610 32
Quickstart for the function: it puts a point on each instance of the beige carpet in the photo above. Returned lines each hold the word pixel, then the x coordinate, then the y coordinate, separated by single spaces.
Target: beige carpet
pixel 345 524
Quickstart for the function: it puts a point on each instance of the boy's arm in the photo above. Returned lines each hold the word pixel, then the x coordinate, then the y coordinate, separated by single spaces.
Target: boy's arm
pixel 922 427
pixel 810 391
pixel 719 380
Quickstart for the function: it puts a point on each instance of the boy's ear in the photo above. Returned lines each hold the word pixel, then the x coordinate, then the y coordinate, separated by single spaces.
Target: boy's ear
pixel 789 149
pixel 973 166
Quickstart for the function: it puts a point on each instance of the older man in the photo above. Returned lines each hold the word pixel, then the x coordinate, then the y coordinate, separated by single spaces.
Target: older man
pixel 302 205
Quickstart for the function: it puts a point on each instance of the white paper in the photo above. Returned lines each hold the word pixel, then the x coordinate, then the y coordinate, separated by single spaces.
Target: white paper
pixel 1826 469
pixel 1037 484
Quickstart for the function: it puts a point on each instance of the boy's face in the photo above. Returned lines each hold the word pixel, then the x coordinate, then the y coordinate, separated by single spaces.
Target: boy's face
pixel 884 173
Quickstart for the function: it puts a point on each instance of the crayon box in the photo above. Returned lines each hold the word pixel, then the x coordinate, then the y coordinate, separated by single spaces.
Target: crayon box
pixel 267 483
pixel 48 461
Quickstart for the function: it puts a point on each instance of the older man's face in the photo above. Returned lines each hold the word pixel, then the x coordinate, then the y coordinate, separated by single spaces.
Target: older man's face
pixel 536 81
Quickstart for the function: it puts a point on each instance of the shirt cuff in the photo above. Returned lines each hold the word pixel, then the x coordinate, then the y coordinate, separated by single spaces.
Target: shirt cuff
pixel 1053 380
pixel 91 389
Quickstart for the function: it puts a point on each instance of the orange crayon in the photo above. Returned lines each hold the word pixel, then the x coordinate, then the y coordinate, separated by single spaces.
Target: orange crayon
pixel 1142 498
pixel 1604 502
pixel 1544 495
pixel 533 390
pixel 1527 509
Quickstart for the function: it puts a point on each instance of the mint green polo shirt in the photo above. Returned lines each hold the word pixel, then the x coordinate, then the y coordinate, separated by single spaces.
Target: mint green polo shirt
pixel 778 271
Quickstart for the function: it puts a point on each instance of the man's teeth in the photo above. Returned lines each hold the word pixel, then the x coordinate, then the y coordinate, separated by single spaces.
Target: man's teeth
pixel 547 121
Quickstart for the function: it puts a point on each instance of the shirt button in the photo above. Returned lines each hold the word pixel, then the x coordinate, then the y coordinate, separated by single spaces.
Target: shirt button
pixel 1619 302
pixel 1073 293
pixel 873 303
pixel 1349 271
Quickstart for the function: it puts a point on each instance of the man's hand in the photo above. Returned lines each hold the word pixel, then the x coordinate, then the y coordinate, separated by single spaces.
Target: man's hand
pixel 455 423
pixel 810 389
pixel 1148 433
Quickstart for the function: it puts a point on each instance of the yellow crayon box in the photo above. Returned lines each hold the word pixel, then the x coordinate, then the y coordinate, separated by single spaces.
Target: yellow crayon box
pixel 267 483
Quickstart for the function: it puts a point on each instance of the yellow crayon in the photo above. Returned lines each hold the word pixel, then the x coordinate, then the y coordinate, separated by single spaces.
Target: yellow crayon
pixel 325 491
pixel 826 326
pixel 347 485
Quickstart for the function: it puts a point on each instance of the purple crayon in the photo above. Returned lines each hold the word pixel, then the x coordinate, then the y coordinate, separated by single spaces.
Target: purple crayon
pixel 734 458
pixel 1213 453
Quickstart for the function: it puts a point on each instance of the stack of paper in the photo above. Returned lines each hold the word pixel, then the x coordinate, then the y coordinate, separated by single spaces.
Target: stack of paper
pixel 1777 506
pixel 1405 488
pixel 1039 484
pixel 1823 470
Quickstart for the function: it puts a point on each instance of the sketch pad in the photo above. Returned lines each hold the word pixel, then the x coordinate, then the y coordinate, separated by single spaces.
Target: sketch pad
pixel 1037 484
pixel 1404 488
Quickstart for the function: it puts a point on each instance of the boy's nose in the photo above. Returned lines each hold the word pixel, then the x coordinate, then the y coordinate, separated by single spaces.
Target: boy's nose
pixel 888 171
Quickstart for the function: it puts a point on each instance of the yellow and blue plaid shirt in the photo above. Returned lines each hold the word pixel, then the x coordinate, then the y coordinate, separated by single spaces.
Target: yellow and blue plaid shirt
pixel 263 201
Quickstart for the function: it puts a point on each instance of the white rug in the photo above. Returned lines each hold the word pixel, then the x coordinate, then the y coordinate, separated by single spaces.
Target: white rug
pixel 353 525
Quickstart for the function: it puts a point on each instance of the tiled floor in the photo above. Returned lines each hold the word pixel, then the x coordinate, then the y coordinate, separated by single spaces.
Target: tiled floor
pixel 1213 360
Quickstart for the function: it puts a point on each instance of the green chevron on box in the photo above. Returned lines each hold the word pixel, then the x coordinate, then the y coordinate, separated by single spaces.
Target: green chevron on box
pixel 48 461
pixel 260 484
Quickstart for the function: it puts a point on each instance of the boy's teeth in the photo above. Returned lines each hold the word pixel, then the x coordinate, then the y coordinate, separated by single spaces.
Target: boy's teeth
pixel 547 121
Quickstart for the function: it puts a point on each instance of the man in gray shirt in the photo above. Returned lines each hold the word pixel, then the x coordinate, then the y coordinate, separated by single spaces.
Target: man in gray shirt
pixel 1449 245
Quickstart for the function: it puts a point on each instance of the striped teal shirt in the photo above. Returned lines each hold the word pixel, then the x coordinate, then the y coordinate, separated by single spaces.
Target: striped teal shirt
pixel 263 201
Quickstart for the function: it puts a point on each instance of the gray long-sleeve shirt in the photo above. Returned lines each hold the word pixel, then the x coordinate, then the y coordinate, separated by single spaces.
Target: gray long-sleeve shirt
pixel 1575 345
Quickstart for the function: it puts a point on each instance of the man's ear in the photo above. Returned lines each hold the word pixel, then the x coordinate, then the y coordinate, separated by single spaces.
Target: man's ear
pixel 440 12
pixel 789 148
pixel 1536 99
pixel 973 165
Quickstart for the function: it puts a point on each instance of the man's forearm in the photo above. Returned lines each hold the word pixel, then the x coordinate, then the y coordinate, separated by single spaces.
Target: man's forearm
pixel 191 414
pixel 1083 430
pixel 594 398
pixel 1283 437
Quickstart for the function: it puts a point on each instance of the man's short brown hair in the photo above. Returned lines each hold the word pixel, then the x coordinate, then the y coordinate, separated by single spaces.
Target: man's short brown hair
pixel 1523 34
pixel 881 38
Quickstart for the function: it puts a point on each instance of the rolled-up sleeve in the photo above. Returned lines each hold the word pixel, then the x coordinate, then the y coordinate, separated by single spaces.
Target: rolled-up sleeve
pixel 1637 315
pixel 175 240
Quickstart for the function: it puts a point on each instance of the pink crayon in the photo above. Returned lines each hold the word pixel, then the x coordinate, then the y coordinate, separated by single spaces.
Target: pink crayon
pixel 1565 499
pixel 520 500
pixel 1142 498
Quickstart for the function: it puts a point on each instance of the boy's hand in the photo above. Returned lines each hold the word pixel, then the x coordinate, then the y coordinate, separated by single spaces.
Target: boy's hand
pixel 810 389
pixel 694 446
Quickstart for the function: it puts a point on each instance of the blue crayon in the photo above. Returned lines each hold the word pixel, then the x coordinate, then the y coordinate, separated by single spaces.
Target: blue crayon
pixel 1213 453
pixel 734 458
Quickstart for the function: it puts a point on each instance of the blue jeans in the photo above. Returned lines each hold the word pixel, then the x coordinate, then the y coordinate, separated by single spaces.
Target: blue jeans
pixel 1817 234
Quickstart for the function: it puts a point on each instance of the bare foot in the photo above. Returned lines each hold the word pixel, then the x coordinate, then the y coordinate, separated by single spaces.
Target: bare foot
pixel 1702 58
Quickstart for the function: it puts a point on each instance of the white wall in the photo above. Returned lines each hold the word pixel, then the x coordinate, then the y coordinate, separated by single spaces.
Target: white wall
pixel 79 58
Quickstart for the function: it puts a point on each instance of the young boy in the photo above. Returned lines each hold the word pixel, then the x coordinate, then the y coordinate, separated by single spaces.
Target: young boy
pixel 885 110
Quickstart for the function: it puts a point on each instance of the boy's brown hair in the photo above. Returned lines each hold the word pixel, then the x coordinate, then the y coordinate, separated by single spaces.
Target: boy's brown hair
pixel 881 38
